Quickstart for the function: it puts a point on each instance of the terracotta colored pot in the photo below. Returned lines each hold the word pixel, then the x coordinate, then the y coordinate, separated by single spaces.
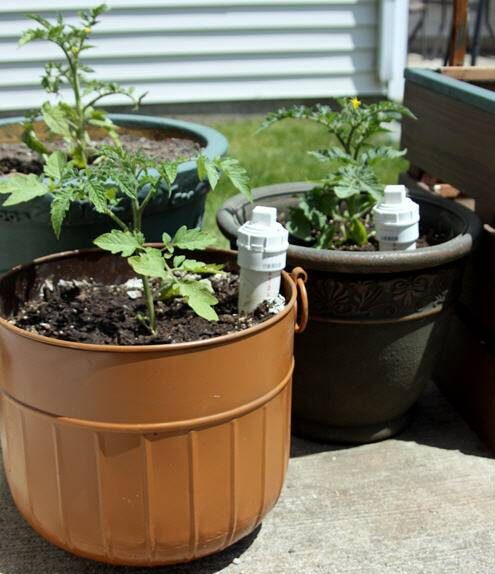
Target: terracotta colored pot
pixel 377 320
pixel 143 455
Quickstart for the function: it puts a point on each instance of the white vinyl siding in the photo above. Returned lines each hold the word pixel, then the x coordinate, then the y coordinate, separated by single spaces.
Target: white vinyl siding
pixel 208 50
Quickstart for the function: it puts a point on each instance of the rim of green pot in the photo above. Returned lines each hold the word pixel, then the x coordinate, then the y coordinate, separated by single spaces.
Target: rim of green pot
pixel 215 143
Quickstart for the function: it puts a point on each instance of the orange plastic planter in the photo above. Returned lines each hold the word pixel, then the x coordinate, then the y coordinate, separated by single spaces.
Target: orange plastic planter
pixel 143 455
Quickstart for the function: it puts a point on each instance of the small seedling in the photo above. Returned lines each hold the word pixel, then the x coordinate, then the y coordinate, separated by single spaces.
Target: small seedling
pixel 71 121
pixel 337 210
pixel 120 177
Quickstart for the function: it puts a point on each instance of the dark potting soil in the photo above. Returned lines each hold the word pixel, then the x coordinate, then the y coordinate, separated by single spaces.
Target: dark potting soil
pixel 427 238
pixel 166 149
pixel 18 158
pixel 90 312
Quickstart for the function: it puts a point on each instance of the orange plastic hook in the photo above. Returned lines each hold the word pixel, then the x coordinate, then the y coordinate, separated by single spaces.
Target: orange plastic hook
pixel 300 277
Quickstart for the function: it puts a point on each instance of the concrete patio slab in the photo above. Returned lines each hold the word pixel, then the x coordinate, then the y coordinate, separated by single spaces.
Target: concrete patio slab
pixel 422 503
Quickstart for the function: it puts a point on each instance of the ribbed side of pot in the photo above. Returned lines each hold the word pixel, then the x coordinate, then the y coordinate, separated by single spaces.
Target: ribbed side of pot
pixel 146 498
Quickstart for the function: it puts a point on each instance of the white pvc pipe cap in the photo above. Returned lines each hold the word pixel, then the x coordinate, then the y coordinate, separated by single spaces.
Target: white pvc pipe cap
pixel 396 219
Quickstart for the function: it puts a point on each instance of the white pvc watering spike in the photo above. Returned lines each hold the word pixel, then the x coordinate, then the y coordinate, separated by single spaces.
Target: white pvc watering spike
pixel 396 220
pixel 262 243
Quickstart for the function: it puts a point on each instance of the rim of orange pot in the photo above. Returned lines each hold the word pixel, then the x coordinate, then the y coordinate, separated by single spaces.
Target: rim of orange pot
pixel 162 347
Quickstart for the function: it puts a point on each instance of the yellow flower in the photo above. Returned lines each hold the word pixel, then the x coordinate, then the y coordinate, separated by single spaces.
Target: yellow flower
pixel 355 103
pixel 87 30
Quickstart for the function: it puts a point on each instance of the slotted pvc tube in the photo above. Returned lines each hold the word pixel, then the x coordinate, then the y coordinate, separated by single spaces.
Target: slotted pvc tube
pixel 262 253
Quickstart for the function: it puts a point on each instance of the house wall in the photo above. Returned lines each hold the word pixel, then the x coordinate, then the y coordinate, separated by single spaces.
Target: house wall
pixel 214 50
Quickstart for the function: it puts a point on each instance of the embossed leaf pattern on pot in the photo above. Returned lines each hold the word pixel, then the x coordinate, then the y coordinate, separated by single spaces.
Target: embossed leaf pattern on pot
pixel 350 298
pixel 331 297
pixel 408 290
pixel 366 294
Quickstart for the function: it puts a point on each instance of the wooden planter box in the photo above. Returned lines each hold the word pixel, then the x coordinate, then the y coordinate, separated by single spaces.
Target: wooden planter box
pixel 454 141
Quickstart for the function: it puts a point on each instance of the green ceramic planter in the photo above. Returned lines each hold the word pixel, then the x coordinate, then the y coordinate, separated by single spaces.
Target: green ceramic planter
pixel 25 230
pixel 377 320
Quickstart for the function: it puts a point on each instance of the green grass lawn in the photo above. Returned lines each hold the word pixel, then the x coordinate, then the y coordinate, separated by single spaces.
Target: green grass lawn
pixel 275 155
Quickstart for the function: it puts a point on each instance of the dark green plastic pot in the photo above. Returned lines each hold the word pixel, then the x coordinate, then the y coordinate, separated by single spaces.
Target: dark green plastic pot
pixel 25 230
pixel 377 320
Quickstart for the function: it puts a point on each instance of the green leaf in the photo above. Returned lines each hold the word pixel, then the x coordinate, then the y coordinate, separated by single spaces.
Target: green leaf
pixel 59 208
pixel 386 162
pixel 201 167
pixel 332 154
pixel 22 188
pixel 199 298
pixel 55 164
pixel 78 157
pixel 381 152
pixel 31 35
pixel 358 232
pixel 168 171
pixel 193 266
pixel 313 214
pixel 320 198
pixel 123 242
pixel 208 169
pixel 30 138
pixel 193 238
pixel 321 114
pixel 387 111
pixel 354 179
pixel 178 261
pixel 236 173
pixel 170 291
pixel 105 124
pixel 150 263
pixel 299 225
pixel 56 119
pixel 97 195
pixel 325 239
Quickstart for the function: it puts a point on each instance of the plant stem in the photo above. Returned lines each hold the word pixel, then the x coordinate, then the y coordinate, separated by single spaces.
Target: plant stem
pixel 148 295
pixel 136 215
pixel 96 99
pixel 74 82
pixel 143 206
pixel 149 304
pixel 117 220
pixel 342 142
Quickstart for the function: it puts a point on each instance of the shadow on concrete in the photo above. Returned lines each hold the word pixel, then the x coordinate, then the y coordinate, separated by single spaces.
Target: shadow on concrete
pixel 22 551
pixel 305 447
pixel 435 424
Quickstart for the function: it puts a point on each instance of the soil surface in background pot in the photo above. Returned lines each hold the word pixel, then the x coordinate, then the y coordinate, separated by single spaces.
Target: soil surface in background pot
pixel 427 238
pixel 18 158
pixel 90 312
